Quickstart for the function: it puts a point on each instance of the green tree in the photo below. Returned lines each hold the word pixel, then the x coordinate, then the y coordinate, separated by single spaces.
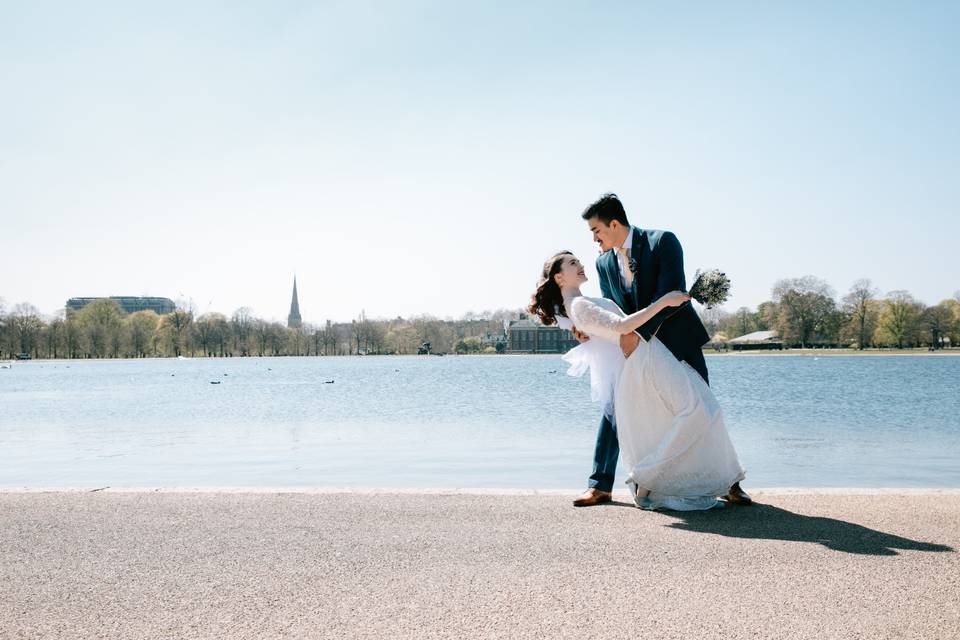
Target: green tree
pixel 832 326
pixel 899 319
pixel 140 329
pixel 744 322
pixel 954 305
pixel 402 337
pixel 804 305
pixel 764 318
pixel 175 329
pixel 100 323
pixel 468 345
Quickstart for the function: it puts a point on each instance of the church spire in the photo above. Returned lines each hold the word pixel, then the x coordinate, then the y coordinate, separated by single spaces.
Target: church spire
pixel 293 320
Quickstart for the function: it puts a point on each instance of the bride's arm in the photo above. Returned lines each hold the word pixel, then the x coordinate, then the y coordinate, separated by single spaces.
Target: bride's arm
pixel 634 321
pixel 594 319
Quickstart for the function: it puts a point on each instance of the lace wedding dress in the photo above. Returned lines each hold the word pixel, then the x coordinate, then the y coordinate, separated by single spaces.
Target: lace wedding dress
pixel 673 441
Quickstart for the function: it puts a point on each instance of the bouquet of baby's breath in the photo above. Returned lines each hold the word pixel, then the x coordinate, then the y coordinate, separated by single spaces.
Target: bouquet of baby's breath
pixel 710 288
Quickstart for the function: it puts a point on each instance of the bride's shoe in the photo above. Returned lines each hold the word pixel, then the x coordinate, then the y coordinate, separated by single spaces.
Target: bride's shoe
pixel 640 496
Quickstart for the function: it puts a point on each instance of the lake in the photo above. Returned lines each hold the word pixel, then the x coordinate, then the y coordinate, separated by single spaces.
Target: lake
pixel 453 422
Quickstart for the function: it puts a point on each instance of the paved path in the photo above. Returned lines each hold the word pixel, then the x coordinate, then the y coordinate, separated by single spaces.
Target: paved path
pixel 361 565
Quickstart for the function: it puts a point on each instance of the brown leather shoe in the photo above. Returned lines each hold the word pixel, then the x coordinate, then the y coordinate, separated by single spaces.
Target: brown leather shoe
pixel 592 497
pixel 736 495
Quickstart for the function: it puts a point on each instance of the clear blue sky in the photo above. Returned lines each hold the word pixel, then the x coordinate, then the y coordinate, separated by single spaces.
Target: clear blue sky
pixel 425 157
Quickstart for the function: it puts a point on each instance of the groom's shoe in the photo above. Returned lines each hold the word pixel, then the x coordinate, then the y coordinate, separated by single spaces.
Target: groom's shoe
pixel 593 496
pixel 737 495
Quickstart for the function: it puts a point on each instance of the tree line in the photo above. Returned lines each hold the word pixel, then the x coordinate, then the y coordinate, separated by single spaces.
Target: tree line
pixel 805 312
pixel 102 330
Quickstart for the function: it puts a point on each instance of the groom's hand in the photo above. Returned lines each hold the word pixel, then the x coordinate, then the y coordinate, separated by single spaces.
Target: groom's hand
pixel 628 343
pixel 579 335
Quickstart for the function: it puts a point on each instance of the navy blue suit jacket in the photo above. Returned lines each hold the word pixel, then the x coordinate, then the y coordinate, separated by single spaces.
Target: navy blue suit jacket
pixel 659 259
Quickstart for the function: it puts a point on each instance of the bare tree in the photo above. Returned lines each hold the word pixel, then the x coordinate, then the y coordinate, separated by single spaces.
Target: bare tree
pixel 261 332
pixel 25 323
pixel 360 331
pixel 242 324
pixel 938 322
pixel 277 334
pixel 858 305
pixel 222 334
pixel 72 335
pixel 296 339
pixel 714 319
pixel 54 336
pixel 4 330
pixel 375 337
pixel 204 331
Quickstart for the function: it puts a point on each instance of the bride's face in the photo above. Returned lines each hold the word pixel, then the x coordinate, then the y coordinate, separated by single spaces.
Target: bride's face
pixel 571 274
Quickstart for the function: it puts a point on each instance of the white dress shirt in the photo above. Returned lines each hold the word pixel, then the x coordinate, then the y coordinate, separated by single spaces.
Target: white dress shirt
pixel 627 244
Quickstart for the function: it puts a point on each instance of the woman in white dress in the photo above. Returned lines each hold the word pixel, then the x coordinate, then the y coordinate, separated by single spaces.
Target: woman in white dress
pixel 673 441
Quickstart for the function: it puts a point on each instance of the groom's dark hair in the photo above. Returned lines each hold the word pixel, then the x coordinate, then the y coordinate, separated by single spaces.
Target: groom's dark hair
pixel 607 208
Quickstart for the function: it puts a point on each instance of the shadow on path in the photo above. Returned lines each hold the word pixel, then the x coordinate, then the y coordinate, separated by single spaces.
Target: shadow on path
pixel 763 521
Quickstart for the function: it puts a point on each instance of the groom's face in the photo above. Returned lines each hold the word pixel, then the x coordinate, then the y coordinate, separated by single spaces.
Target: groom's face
pixel 607 236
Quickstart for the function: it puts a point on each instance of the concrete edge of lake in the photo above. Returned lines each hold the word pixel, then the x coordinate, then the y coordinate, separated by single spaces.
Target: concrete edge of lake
pixel 572 492
pixel 332 564
pixel 707 352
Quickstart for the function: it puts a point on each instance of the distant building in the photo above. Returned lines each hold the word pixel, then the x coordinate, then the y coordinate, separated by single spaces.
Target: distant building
pixel 755 341
pixel 492 338
pixel 129 304
pixel 528 336
pixel 294 320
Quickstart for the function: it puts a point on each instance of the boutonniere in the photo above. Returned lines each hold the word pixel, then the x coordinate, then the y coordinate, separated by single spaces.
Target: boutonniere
pixel 632 265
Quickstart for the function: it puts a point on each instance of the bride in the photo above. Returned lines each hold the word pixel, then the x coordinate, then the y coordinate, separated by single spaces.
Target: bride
pixel 673 442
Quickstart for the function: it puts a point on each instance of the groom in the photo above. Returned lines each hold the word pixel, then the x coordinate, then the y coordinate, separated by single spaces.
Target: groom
pixel 636 267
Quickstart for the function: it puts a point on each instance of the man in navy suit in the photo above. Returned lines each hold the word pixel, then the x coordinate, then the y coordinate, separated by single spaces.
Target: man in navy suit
pixel 638 266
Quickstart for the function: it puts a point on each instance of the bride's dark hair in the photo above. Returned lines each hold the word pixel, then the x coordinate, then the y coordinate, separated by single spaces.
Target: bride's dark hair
pixel 547 301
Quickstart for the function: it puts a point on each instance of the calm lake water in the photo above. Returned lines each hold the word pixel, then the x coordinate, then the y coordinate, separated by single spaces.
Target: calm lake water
pixel 453 422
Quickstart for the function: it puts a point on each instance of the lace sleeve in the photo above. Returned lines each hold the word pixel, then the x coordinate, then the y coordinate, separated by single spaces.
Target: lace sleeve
pixel 594 320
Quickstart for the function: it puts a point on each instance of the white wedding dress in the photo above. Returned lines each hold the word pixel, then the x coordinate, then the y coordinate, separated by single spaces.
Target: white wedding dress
pixel 673 441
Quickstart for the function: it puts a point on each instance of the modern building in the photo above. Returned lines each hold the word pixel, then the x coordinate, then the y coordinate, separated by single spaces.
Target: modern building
pixel 529 336
pixel 294 320
pixel 129 304
pixel 756 341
